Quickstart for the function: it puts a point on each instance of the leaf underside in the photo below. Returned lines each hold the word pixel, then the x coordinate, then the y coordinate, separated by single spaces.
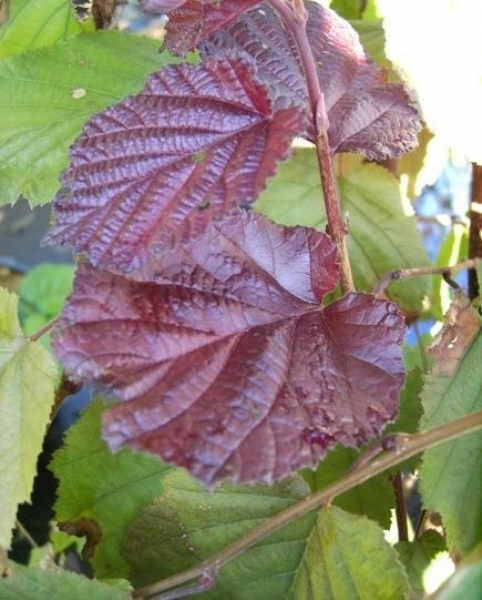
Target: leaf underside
pixel 232 367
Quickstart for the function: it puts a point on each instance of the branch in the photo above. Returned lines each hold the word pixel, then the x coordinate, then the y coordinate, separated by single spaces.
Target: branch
pixel 294 17
pixel 387 453
pixel 401 274
pixel 43 330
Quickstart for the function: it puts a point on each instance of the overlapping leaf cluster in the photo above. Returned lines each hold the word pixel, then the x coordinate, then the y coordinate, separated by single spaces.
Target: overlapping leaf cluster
pixel 205 320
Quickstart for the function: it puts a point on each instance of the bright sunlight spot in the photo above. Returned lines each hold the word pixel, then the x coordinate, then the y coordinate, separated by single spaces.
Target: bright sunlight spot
pixel 437 572
pixel 437 44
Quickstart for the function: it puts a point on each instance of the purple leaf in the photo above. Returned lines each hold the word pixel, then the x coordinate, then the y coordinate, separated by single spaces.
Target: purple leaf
pixel 225 359
pixel 157 167
pixel 194 21
pixel 365 113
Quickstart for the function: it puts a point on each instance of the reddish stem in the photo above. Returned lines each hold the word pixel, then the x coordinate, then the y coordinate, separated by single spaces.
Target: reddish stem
pixel 294 17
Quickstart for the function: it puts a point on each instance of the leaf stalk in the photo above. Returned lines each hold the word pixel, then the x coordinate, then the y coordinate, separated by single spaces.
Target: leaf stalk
pixel 294 17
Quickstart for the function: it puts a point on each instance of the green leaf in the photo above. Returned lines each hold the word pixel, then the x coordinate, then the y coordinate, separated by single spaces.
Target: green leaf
pixel 381 237
pixel 30 583
pixel 188 524
pixel 33 25
pixel 347 557
pixel 100 493
pixel 454 249
pixel 348 9
pixel 418 554
pixel 27 376
pixel 451 474
pixel 374 498
pixel 42 293
pixel 47 95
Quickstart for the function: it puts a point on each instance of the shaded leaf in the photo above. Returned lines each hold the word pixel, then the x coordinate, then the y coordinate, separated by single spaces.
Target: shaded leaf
pixel 33 25
pixel 346 556
pixel 365 113
pixel 126 193
pixel 417 555
pixel 451 474
pixel 99 493
pixel 187 524
pixel 25 368
pixel 225 360
pixel 64 84
pixel 42 294
pixel 381 237
pixel 374 498
pixel 32 583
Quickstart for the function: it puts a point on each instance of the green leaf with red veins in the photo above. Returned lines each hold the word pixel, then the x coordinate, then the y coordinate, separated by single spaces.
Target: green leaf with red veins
pixel 226 362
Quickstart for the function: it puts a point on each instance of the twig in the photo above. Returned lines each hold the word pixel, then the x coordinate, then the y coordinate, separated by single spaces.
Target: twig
pixel 400 506
pixel 294 18
pixel 402 274
pixel 25 534
pixel 43 330
pixel 394 449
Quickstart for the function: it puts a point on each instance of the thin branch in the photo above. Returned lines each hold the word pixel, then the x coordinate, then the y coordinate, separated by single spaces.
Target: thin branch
pixel 443 219
pixel 25 534
pixel 294 17
pixel 43 330
pixel 400 506
pixel 388 452
pixel 402 274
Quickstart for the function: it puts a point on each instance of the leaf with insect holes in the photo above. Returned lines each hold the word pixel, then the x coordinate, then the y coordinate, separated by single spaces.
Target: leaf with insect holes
pixel 155 168
pixel 225 360
pixel 365 113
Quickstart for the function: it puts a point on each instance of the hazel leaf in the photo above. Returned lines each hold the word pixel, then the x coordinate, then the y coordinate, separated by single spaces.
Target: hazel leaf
pixel 155 168
pixel 226 362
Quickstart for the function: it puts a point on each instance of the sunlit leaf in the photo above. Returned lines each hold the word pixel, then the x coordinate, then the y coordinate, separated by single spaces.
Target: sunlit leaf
pixel 347 557
pixel 232 367
pixel 47 95
pixel 27 378
pixel 451 474
pixel 33 25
